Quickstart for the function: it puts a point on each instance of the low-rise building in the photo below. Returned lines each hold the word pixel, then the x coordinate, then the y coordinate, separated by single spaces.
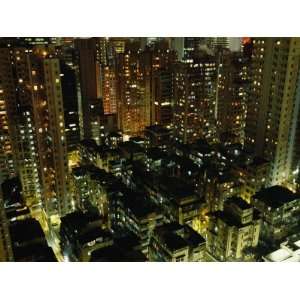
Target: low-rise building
pixel 138 214
pixel 252 174
pixel 90 188
pixel 289 251
pixel 158 136
pixel 80 234
pixel 125 248
pixel 174 242
pixel 219 185
pixel 131 150
pixel 233 233
pixel 280 211
pixel 29 242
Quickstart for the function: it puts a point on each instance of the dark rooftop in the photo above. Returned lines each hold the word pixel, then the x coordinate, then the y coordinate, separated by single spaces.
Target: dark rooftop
pixel 116 254
pixel 95 173
pixel 89 143
pixel 227 218
pixel 156 153
pixel 175 187
pixel 192 237
pixel 158 129
pixel 257 161
pixel 114 134
pixel 78 220
pixel 26 231
pixel 184 148
pixel 184 162
pixel 239 202
pixel 137 140
pixel 92 234
pixel 173 241
pixel 276 196
pixel 14 212
pixel 201 146
pixel 177 236
pixel 131 147
pixel 34 253
pixel 139 205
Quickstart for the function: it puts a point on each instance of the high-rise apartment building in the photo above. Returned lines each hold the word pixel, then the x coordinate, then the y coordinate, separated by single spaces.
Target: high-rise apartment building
pixel 17 91
pixel 109 89
pixel 159 61
pixel 91 103
pixel 70 105
pixel 33 97
pixel 51 137
pixel 118 44
pixel 273 106
pixel 177 44
pixel 7 164
pixel 217 42
pixel 133 94
pixel 232 92
pixel 144 86
pixel 195 98
pixel 191 45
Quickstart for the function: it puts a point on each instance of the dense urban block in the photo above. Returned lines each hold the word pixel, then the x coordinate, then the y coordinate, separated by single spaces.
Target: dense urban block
pixel 176 149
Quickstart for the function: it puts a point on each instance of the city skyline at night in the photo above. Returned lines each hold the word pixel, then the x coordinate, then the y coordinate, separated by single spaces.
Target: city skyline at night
pixel 162 149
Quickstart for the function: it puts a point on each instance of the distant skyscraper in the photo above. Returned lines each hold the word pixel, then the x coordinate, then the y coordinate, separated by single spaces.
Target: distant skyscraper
pixel 273 107
pixel 41 40
pixel 118 44
pixel 217 42
pixel 232 93
pixel 163 97
pixel 192 45
pixel 195 96
pixel 70 105
pixel 109 89
pixel 133 94
pixel 7 165
pixel 158 62
pixel 235 44
pixel 92 109
pixel 177 44
pixel 144 86
pixel 69 58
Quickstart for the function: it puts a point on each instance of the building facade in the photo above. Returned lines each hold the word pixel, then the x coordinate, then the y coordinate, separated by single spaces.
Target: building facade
pixel 273 105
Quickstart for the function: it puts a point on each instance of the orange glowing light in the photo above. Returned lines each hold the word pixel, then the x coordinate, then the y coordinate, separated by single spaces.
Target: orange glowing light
pixel 246 40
